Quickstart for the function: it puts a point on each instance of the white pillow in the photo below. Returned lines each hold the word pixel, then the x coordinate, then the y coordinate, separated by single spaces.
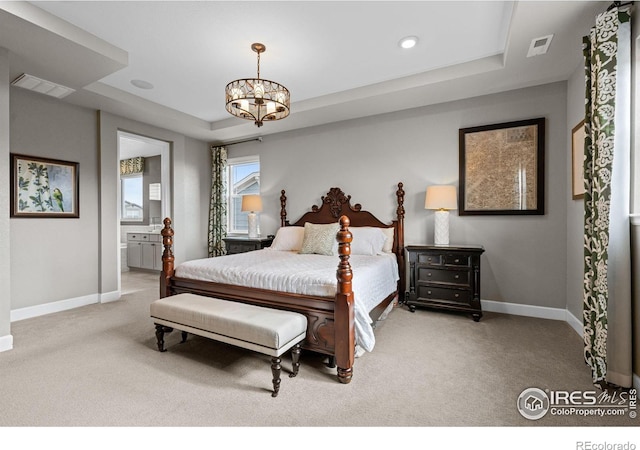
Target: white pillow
pixel 320 239
pixel 367 240
pixel 388 243
pixel 288 239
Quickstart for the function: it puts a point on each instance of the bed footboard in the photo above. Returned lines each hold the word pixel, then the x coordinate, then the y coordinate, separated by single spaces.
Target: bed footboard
pixel 336 318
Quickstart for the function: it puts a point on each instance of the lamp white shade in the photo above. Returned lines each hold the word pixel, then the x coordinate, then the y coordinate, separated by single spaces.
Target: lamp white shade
pixel 442 199
pixel 252 203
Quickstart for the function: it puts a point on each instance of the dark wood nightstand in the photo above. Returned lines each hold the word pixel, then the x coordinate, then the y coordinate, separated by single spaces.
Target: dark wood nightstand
pixel 241 244
pixel 444 277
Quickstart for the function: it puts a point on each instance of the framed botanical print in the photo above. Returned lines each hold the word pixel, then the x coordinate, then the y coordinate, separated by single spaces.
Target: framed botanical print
pixel 43 187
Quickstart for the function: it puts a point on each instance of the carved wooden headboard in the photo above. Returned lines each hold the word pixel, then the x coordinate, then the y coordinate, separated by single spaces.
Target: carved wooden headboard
pixel 336 204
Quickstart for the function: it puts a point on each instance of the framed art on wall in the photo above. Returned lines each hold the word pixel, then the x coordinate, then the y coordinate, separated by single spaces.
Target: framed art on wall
pixel 45 188
pixel 577 161
pixel 502 168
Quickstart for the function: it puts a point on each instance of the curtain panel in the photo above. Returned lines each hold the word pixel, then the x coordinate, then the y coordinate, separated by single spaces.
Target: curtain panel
pixel 607 270
pixel 218 202
pixel 132 165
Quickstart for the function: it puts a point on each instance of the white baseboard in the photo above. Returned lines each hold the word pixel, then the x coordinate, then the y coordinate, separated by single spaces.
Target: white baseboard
pixel 110 297
pixel 48 308
pixel 6 343
pixel 541 312
pixel 575 323
pixel 62 305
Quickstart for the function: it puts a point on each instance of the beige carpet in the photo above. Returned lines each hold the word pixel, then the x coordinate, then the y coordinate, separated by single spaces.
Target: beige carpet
pixel 98 366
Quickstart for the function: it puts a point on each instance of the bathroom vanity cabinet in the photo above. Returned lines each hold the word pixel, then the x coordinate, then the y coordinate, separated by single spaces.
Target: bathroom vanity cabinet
pixel 144 251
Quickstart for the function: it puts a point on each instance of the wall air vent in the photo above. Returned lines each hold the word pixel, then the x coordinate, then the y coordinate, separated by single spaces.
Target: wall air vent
pixel 42 86
pixel 539 46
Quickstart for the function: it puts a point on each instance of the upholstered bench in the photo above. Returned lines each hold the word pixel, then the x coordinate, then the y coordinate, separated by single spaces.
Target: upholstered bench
pixel 269 331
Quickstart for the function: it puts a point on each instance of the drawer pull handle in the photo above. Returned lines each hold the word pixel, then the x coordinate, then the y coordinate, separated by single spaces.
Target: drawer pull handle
pixel 429 292
pixel 457 260
pixel 457 277
pixel 429 274
pixel 456 295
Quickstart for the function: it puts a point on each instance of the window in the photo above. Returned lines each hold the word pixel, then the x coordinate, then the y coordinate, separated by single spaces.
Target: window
pixel 244 178
pixel 132 199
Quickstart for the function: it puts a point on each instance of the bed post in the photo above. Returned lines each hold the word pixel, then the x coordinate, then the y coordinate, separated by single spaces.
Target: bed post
pixel 400 249
pixel 344 313
pixel 167 258
pixel 283 209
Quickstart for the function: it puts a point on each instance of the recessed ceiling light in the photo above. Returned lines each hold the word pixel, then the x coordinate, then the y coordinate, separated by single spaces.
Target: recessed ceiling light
pixel 408 42
pixel 142 84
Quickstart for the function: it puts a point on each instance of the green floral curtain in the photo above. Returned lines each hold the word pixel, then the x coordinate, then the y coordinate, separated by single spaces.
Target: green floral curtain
pixel 605 245
pixel 131 165
pixel 218 203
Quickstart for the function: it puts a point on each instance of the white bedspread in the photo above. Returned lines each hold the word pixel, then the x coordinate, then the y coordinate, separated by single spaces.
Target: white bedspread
pixel 374 278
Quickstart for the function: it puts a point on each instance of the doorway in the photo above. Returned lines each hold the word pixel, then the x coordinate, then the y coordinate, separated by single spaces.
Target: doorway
pixel 143 197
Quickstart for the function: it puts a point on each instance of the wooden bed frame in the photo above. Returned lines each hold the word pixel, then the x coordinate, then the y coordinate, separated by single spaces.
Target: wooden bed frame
pixel 331 329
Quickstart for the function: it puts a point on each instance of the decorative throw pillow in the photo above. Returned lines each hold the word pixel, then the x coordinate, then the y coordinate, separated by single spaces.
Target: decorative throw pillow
pixel 320 238
pixel 288 239
pixel 388 243
pixel 367 240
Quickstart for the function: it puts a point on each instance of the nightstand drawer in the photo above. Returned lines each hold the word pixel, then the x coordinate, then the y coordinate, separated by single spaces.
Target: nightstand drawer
pixel 430 259
pixel 235 244
pixel 235 247
pixel 454 277
pixel 435 293
pixel 453 259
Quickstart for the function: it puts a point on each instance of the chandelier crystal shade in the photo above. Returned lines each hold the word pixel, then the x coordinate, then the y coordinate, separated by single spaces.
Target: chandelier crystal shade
pixel 257 99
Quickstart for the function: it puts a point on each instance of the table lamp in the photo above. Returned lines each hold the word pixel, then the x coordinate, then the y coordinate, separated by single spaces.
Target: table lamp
pixel 252 203
pixel 442 199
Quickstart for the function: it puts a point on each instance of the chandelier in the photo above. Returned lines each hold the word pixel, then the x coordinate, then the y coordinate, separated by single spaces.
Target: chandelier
pixel 257 99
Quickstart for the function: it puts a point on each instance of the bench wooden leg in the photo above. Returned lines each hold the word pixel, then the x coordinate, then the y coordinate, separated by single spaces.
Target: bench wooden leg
pixel 275 370
pixel 184 337
pixel 295 360
pixel 160 330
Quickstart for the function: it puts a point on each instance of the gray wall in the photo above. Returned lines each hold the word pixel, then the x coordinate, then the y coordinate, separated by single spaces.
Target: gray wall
pixel 190 182
pixel 55 259
pixel 525 258
pixel 62 259
pixel 5 266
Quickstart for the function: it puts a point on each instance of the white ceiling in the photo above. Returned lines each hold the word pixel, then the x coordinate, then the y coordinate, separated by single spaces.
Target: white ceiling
pixel 339 59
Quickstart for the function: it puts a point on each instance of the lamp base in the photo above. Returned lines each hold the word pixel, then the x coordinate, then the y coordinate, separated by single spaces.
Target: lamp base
pixel 253 225
pixel 441 228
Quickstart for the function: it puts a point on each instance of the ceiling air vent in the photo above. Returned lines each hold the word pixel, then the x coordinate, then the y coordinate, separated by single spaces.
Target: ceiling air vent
pixel 42 86
pixel 539 46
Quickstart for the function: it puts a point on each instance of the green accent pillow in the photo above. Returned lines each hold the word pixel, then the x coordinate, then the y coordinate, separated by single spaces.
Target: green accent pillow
pixel 320 239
